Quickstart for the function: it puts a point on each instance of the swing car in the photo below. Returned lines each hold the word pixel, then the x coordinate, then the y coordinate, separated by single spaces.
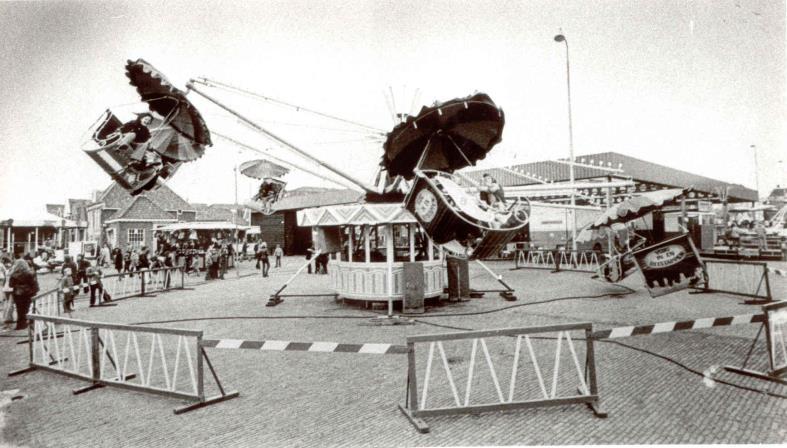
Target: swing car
pixel 130 166
pixel 461 221
pixel 271 190
pixel 178 133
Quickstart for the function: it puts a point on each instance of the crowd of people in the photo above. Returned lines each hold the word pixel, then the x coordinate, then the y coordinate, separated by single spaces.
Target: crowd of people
pixel 79 275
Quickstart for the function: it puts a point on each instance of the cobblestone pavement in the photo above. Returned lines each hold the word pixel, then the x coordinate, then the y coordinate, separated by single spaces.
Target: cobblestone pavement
pixel 341 399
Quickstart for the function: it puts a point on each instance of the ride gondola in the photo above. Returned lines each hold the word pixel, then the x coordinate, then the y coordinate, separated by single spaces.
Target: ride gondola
pixel 427 148
pixel 272 188
pixel 666 266
pixel 143 152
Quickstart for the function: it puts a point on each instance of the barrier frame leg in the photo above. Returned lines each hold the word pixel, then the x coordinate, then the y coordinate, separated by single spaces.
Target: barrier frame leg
pixel 754 374
pixel 590 368
pixel 202 401
pixel 411 396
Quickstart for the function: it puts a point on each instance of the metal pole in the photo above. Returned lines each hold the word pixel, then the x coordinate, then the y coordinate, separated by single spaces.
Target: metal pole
pixel 562 38
pixel 389 257
pixel 285 143
pixel 235 221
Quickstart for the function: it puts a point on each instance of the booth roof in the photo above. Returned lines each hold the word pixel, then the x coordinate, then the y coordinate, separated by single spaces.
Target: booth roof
pixel 201 225
pixel 28 217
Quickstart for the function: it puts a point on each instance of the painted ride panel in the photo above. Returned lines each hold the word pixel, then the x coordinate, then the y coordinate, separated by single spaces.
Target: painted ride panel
pixel 367 281
pixel 450 215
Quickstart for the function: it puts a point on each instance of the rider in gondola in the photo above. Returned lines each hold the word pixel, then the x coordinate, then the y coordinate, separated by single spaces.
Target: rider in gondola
pixel 491 192
pixel 134 137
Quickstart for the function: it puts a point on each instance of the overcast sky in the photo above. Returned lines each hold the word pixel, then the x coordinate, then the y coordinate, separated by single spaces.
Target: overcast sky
pixel 689 84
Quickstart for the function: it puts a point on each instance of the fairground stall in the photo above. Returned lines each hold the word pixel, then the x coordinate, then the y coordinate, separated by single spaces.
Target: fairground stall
pixel 191 239
pixel 372 246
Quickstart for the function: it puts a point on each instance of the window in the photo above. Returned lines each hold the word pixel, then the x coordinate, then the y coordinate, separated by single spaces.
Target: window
pixel 136 237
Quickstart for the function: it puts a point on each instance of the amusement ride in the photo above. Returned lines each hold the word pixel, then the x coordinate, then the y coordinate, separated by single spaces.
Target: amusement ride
pixel 421 207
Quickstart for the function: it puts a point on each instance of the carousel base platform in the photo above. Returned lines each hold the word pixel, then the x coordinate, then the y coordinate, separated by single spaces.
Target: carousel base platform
pixel 368 282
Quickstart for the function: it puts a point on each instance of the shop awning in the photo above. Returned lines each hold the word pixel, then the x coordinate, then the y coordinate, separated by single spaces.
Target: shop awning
pixel 201 225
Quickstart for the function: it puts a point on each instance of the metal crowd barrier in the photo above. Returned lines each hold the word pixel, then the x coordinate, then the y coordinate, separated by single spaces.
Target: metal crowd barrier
pixel 48 303
pixel 105 355
pixel 140 283
pixel 416 407
pixel 743 278
pixel 557 260
pixel 775 326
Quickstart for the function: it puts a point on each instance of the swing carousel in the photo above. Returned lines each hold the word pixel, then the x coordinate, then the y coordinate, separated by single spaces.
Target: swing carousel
pixel 419 211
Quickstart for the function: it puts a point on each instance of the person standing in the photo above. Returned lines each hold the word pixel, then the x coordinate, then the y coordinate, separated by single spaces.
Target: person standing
pixel 310 251
pixel 144 258
pixel 25 286
pixel 169 263
pixel 278 253
pixel 245 249
pixel 82 267
pixel 7 297
pixel 94 279
pixel 117 259
pixel 68 264
pixel 263 255
pixel 223 257
pixel 105 256
pixel 66 285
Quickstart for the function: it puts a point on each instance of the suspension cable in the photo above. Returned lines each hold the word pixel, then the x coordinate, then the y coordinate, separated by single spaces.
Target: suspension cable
pixel 282 161
pixel 220 85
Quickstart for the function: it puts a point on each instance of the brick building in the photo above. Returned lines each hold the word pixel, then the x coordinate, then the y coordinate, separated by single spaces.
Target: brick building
pixel 120 219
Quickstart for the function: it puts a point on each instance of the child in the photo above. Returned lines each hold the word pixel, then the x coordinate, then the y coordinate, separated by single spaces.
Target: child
pixel 94 275
pixel 278 252
pixel 66 284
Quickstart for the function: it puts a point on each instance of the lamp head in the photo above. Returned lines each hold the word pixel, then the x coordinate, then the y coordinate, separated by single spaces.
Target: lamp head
pixel 560 38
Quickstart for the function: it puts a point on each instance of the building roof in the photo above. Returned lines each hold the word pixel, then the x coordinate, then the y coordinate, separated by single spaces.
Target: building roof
pixel 117 197
pixel 307 197
pixel 637 169
pixel 220 212
pixel 141 208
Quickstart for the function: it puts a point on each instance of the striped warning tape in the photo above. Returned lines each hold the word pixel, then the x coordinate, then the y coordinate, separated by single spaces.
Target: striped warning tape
pixel 666 327
pixel 779 272
pixel 324 347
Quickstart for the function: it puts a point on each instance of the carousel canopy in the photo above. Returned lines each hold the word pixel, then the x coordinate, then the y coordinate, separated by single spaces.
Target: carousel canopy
pixel 638 206
pixel 448 136
pixel 170 102
pixel 260 169
pixel 201 225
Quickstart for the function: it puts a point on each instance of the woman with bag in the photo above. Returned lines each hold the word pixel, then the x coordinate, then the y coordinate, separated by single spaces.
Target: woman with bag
pixel 23 281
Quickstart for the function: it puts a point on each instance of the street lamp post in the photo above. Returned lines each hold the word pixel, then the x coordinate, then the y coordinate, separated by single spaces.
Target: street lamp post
pixel 562 38
pixel 756 171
